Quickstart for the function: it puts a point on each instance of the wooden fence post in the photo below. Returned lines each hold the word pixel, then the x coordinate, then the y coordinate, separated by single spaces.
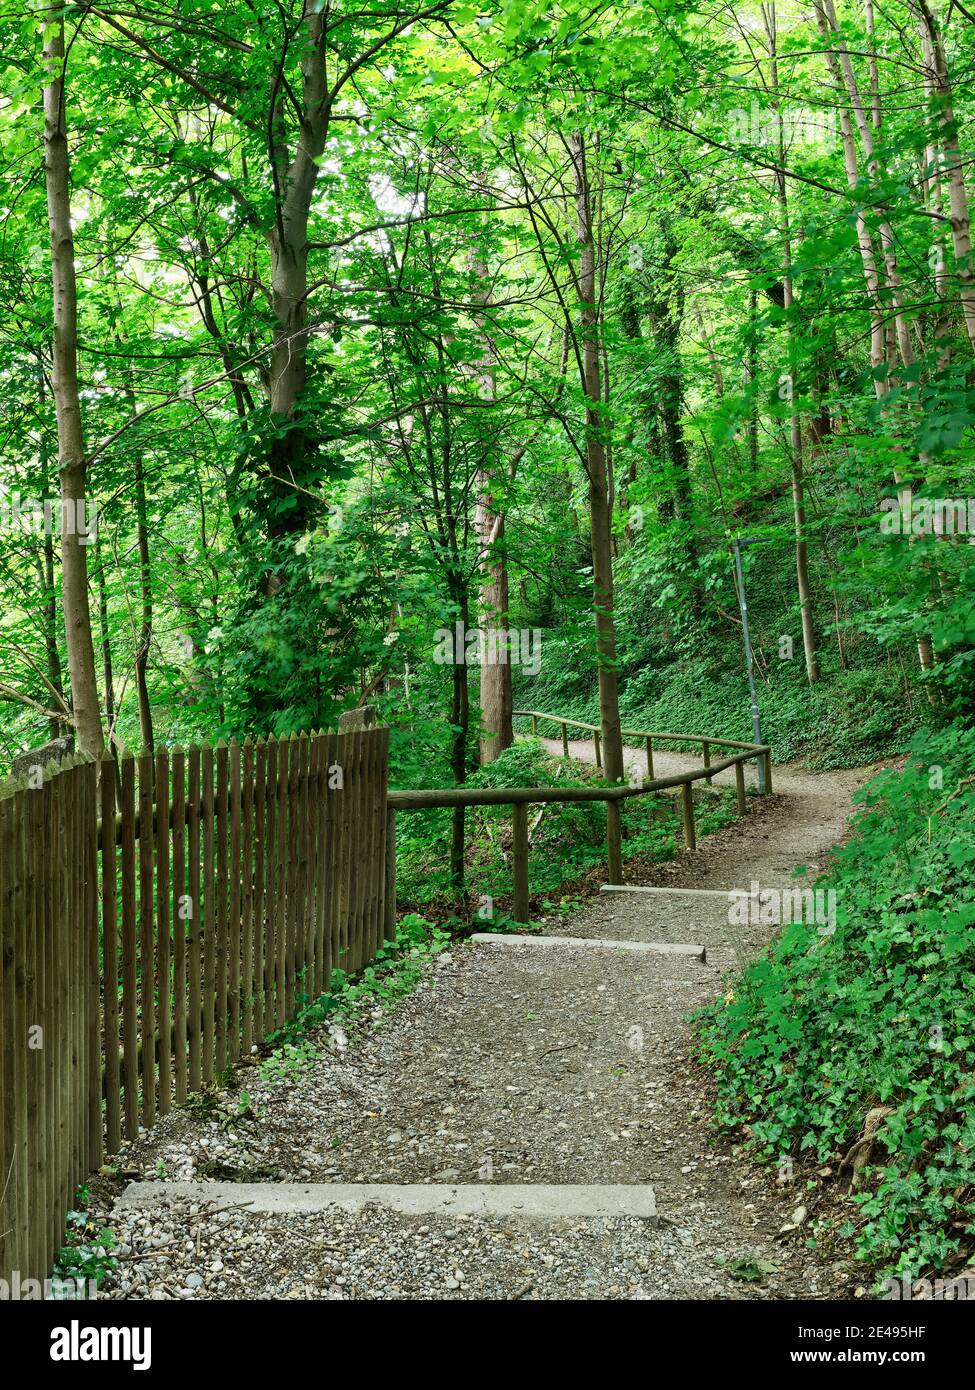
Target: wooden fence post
pixel 565 739
pixel 768 773
pixel 147 939
pixel 180 906
pixel 129 950
pixel 740 786
pixel 599 760
pixel 389 923
pixel 707 755
pixel 164 939
pixel 614 842
pixel 687 811
pixel 650 759
pixel 519 860
pixel 113 1122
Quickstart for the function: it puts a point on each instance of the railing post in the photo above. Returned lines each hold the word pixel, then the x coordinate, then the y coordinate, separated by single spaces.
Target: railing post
pixel 740 786
pixel 707 755
pixel 389 902
pixel 687 812
pixel 519 860
pixel 599 760
pixel 534 724
pixel 565 738
pixel 650 758
pixel 614 843
pixel 767 758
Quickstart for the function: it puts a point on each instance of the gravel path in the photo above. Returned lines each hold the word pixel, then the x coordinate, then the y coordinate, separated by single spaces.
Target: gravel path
pixel 510 1064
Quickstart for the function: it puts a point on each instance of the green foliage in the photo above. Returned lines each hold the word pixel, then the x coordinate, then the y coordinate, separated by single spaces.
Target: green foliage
pixel 393 973
pixel 825 1027
pixel 567 840
pixel 87 1254
pixel 846 720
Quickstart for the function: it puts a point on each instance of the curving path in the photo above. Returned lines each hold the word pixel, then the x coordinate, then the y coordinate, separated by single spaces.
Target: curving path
pixel 512 1064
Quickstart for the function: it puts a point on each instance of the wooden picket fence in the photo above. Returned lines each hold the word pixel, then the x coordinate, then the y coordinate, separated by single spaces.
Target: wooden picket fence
pixel 156 922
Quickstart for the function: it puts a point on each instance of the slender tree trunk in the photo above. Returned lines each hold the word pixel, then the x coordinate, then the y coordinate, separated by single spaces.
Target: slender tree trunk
pixel 460 719
pixel 71 452
pixel 751 376
pixel 495 676
pixel 294 178
pixel 600 521
pixel 796 462
pixel 106 641
pixel 934 201
pixel 145 587
pixel 954 167
pixel 878 343
pixel 45 580
pixel 497 701
pixel 867 132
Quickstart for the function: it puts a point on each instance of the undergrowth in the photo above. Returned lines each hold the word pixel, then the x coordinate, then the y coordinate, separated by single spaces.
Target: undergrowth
pixel 392 974
pixel 877 1016
pixel 567 840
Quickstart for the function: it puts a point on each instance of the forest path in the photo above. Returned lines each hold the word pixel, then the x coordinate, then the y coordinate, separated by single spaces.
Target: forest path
pixel 511 1064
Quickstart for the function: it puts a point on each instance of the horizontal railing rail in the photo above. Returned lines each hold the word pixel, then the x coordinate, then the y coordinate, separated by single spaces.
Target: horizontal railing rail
pixel 520 798
pixel 515 796
pixel 663 736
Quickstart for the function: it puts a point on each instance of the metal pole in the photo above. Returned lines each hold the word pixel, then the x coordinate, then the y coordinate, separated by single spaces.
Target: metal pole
pixel 749 661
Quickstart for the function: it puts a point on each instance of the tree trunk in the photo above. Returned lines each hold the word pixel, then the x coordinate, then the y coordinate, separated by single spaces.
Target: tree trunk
pixel 294 185
pixel 961 231
pixel 497 702
pixel 596 469
pixel 45 581
pixel 71 453
pixel 798 490
pixel 496 697
pixel 145 634
pixel 460 720
pixel 106 639
pixel 887 242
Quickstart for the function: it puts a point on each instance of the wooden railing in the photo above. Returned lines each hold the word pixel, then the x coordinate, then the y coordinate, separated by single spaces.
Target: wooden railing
pixel 647 737
pixel 520 798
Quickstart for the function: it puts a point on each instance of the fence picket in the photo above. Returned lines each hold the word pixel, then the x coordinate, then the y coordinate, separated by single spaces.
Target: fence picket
pixel 179 924
pixel 209 912
pixel 110 1034
pixel 270 884
pixel 243 1032
pixel 157 918
pixel 232 973
pixel 147 943
pixel 194 908
pixel 258 910
pixel 222 946
pixel 130 1060
pixel 281 881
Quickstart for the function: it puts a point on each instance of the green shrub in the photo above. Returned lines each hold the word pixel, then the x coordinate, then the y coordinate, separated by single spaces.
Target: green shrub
pixel 880 1012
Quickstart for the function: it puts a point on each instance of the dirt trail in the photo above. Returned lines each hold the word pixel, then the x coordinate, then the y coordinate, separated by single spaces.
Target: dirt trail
pixel 516 1065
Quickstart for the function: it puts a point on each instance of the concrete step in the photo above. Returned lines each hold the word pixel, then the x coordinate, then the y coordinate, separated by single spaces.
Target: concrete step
pixel 664 948
pixel 530 1201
